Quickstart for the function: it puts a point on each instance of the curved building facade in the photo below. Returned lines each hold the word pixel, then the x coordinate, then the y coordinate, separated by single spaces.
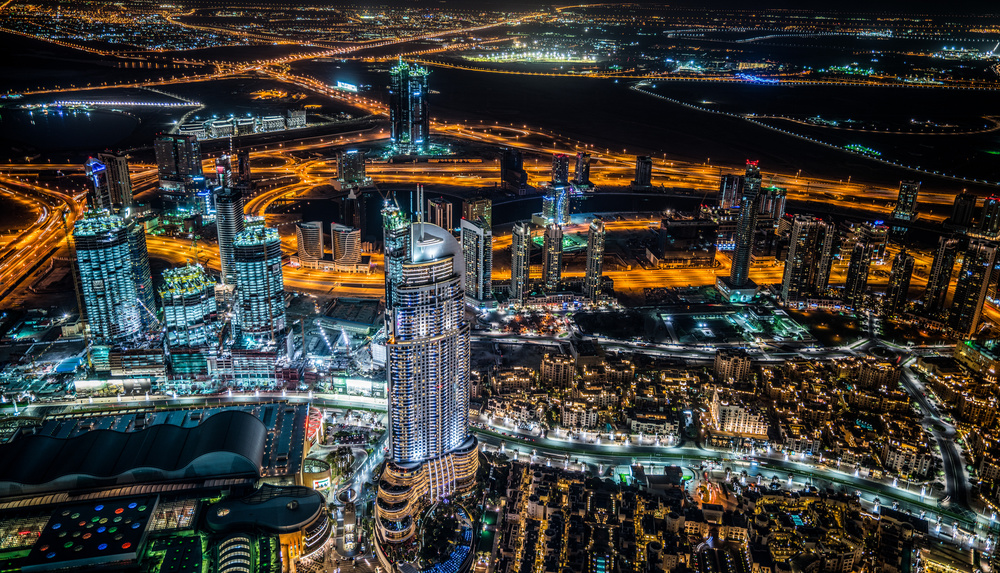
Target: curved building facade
pixel 260 288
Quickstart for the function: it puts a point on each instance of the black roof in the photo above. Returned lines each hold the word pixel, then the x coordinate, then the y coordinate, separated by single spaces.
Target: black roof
pixel 230 443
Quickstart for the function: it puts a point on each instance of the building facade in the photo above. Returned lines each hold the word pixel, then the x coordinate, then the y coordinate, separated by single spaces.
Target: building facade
pixel 477 248
pixel 595 260
pixel 520 261
pixel 552 257
pixel 189 306
pixel 260 287
pixel 408 116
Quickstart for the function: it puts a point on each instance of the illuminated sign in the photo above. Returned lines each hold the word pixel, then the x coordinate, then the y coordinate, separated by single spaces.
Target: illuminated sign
pixel 347 87
pixel 321 483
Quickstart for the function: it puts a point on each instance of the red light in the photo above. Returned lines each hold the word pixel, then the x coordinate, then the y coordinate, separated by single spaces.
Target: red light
pixel 119 510
pixel 126 545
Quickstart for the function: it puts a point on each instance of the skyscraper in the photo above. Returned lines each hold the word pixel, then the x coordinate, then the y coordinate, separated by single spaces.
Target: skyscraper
pixel 772 203
pixel 410 122
pixel 118 179
pixel 260 287
pixel 396 247
pixel 513 177
pixel 229 222
pixel 552 257
pixel 431 453
pixel 898 290
pixel 739 275
pixel 643 172
pixel 906 203
pixel 477 249
pixel 936 294
pixel 224 171
pixel 807 266
pixel 970 292
pixel 478 208
pixel 520 260
pixel 139 258
pixel 989 222
pixel 963 210
pixel 243 173
pixel 856 285
pixel 189 308
pixel 346 244
pixel 351 169
pixel 730 191
pixel 595 260
pixel 582 174
pixel 555 205
pixel 560 169
pixel 309 242
pixel 439 212
pixel 177 156
pixel 104 254
pixel 99 194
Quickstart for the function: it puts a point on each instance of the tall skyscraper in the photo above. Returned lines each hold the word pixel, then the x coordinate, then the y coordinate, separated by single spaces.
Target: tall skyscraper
pixel 243 173
pixel 396 247
pixel 520 260
pixel 730 191
pixel 118 179
pixel 807 266
pixel 260 286
pixel 177 156
pixel 104 252
pixel 856 285
pixel 431 453
pixel 439 212
pixel 989 222
pixel 555 205
pixel 139 257
pixel 643 172
pixel 970 292
pixel 936 295
pixel 906 204
pixel 99 194
pixel 309 242
pixel 189 308
pixel 582 174
pixel 595 260
pixel 478 208
pixel 346 244
pixel 229 222
pixel 560 169
pixel 772 203
pixel 746 228
pixel 410 122
pixel 477 249
pixel 351 169
pixel 552 257
pixel 513 177
pixel 963 210
pixel 898 290
pixel 224 171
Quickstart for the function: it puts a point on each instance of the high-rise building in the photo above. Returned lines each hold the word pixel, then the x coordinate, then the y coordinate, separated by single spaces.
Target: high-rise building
pixel 730 191
pixel 520 260
pixel 224 171
pixel 936 295
pixel 243 173
pixel 309 241
pixel 478 208
pixel 989 222
pixel 595 260
pixel 177 156
pixel 229 222
pixel 408 116
pixel 581 175
pixel 875 234
pixel 963 210
pixel 354 211
pixel 772 203
pixel 431 453
pixel 439 212
pixel 807 266
pixel 898 290
pixel 552 257
pixel 260 287
pixel 555 205
pixel 970 292
pixel 346 244
pixel 643 172
pixel 513 177
pixel 99 194
pixel 119 181
pixel 139 257
pixel 746 228
pixel 906 204
pixel 104 252
pixel 560 169
pixel 477 249
pixel 189 306
pixel 856 285
pixel 351 169
pixel 396 247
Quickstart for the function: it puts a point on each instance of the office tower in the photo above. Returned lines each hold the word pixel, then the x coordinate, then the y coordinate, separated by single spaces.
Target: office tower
pixel 970 292
pixel 189 306
pixel 177 157
pixel 139 257
pixel 582 174
pixel 520 260
pixel 478 208
pixel 555 205
pixel 229 222
pixel 730 191
pixel 560 169
pixel 104 257
pixel 477 248
pixel 856 285
pixel 353 206
pixel 346 244
pixel 963 210
pixel 408 108
pixel 431 453
pixel 906 204
pixel 989 223
pixel 643 172
pixel 875 234
pixel 898 290
pixel 243 174
pixel 309 242
pixel 513 177
pixel 772 203
pixel 739 275
pixel 552 257
pixel 396 247
pixel 260 287
pixel 439 213
pixel 99 194
pixel 119 181
pixel 936 295
pixel 351 169
pixel 807 266
pixel 595 260
pixel 224 171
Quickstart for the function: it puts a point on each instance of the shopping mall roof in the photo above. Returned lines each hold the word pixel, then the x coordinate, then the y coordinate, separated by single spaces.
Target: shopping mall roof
pixel 271 508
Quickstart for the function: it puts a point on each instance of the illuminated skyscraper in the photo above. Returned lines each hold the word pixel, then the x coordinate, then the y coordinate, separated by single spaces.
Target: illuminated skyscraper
pixel 189 311
pixel 970 292
pixel 772 203
pixel 309 242
pixel 99 194
pixel 478 208
pixel 739 275
pixel 643 172
pixel 730 191
pixel 408 115
pixel 477 249
pixel 898 290
pixel 139 257
pixel 936 294
pixel 520 260
pixel 439 212
pixel 229 222
pixel 595 260
pixel 552 257
pixel 856 285
pixel 351 169
pixel 989 222
pixel 906 204
pixel 346 244
pixel 963 210
pixel 807 266
pixel 104 252
pixel 556 204
pixel 560 169
pixel 118 179
pixel 260 287
pixel 396 246
pixel 582 174
pixel 177 157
